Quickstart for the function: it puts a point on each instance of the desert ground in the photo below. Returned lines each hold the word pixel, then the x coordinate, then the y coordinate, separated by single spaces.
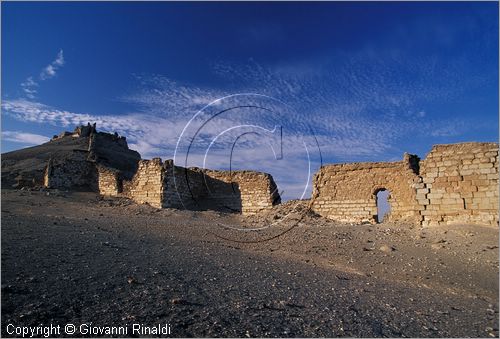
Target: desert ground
pixel 75 257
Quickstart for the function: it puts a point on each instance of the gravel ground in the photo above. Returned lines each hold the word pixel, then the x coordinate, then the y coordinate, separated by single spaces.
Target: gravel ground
pixel 76 258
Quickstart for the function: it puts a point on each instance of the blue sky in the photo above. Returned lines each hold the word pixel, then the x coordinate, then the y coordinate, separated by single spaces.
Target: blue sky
pixel 364 81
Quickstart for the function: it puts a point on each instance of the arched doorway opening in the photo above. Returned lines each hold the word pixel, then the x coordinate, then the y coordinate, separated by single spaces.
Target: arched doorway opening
pixel 383 206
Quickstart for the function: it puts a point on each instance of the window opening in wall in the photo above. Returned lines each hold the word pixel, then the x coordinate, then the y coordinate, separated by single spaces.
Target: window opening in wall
pixel 383 206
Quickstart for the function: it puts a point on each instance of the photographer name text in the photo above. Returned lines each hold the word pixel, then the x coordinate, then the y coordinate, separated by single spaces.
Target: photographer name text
pixel 87 329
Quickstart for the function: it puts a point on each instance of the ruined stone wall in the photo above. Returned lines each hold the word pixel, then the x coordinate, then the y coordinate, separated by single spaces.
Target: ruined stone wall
pixel 246 191
pixel 165 185
pixel 347 192
pixel 147 184
pixel 460 184
pixel 108 181
pixel 154 183
pixel 71 172
pixel 456 183
pixel 184 187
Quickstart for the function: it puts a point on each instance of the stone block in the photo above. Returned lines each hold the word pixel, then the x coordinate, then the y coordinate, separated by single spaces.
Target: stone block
pixel 422 191
pixel 434 195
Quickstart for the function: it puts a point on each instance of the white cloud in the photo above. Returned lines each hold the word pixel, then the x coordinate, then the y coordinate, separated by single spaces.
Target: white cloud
pixel 341 118
pixel 29 87
pixel 60 59
pixel 30 111
pixel 452 128
pixel 24 138
pixel 340 124
pixel 149 135
pixel 145 149
pixel 50 70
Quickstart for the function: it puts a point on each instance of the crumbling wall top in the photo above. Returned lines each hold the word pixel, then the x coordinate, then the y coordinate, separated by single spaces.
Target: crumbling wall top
pixel 472 147
pixel 409 161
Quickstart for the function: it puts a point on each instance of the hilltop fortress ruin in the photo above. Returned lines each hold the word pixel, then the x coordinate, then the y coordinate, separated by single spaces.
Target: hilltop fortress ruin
pixel 456 183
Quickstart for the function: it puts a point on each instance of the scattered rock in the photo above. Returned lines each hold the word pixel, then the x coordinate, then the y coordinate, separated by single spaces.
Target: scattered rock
pixel 387 248
pixel 437 246
pixel 179 301
pixel 132 280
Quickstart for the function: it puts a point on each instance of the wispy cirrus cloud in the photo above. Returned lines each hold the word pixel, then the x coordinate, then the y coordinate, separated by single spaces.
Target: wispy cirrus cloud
pixel 345 103
pixel 159 95
pixel 347 109
pixel 355 112
pixel 145 132
pixel 452 128
pixel 50 70
pixel 30 85
pixel 24 137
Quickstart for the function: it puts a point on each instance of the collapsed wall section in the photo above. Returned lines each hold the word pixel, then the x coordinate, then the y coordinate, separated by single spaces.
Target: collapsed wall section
pixel 248 192
pixel 460 184
pixel 166 185
pixel 347 192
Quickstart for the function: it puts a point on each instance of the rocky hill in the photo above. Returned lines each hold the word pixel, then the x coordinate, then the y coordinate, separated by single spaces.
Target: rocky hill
pixel 84 146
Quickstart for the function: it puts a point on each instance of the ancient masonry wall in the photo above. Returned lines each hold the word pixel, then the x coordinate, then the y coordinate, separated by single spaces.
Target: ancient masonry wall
pixel 246 191
pixel 460 184
pixel 184 187
pixel 147 184
pixel 347 192
pixel 165 185
pixel 108 181
pixel 73 172
pixel 456 183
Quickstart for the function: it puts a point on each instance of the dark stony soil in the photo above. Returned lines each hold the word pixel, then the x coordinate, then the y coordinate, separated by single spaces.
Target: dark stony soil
pixel 75 258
